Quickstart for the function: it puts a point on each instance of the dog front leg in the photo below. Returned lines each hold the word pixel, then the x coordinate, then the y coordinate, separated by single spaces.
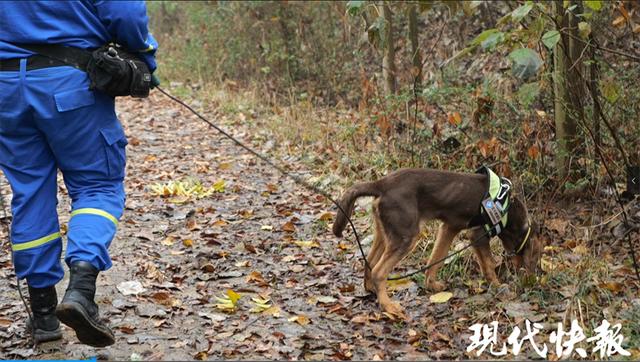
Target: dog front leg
pixel 446 234
pixel 487 263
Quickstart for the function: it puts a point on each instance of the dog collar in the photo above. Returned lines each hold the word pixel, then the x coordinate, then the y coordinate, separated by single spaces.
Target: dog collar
pixel 524 241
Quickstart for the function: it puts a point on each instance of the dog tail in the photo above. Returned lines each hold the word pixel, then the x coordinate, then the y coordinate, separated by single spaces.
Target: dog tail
pixel 348 200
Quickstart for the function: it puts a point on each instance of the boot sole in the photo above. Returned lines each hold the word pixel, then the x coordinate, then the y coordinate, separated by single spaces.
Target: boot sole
pixel 41 336
pixel 88 332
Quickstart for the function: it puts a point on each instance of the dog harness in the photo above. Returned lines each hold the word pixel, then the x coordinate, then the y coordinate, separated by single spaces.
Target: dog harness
pixel 494 205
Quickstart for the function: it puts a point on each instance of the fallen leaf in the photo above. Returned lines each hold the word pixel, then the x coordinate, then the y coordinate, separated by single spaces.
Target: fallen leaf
pixel 619 21
pixel 5 323
pixel 327 216
pixel 256 276
pixel 581 250
pixel 168 241
pixel 307 244
pixel 614 287
pixel 455 118
pixel 233 296
pixel 441 297
pixel 289 227
pixel 127 329
pixel 360 319
pixel 273 311
pixel 132 287
pixel 326 299
pixel 260 305
pixel 192 225
pixel 215 317
pixel 300 319
pixel 518 309
pixel 201 356
pixel 229 302
pixel 557 225
pixel 220 222
pixel 219 186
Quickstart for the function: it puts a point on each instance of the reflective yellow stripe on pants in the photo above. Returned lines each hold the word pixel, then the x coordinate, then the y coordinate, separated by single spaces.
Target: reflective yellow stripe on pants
pixel 35 243
pixel 98 212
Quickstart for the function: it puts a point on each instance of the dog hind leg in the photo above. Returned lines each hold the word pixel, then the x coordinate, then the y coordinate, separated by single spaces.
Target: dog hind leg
pixel 396 249
pixel 377 248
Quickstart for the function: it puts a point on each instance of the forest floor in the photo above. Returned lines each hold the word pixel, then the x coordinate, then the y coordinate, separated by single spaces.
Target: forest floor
pixel 262 236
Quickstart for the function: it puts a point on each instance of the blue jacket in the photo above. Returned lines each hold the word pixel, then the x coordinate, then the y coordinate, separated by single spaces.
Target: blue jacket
pixel 85 24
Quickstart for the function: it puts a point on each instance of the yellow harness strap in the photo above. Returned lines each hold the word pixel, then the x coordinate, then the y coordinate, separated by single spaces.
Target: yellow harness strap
pixel 524 241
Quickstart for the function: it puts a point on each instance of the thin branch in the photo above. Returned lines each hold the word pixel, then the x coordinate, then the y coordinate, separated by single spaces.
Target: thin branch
pixel 608 50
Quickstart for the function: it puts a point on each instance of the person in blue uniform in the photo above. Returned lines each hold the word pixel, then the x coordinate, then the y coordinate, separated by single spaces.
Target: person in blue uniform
pixel 50 120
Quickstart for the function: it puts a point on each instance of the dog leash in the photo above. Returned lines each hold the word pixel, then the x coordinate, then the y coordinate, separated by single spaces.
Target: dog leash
pixel 311 187
pixel 5 216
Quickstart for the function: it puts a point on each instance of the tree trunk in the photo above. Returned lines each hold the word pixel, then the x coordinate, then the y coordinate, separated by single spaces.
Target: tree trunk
pixel 564 113
pixel 287 38
pixel 389 53
pixel 416 58
pixel 593 88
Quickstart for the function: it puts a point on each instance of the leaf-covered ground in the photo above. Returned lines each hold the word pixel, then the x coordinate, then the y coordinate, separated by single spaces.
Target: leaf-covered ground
pixel 229 225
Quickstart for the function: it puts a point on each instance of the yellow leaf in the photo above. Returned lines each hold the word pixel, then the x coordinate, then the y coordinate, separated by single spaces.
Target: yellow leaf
pixel 168 241
pixel 581 250
pixel 307 244
pixel 399 283
pixel 188 243
pixel 233 296
pixel 218 186
pixel 227 306
pixel 327 216
pixel 273 311
pixel 261 301
pixel 546 264
pixel 441 297
pixel 260 305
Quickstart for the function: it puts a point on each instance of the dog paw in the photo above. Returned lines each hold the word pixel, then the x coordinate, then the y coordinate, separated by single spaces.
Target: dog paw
pixel 435 286
pixel 394 311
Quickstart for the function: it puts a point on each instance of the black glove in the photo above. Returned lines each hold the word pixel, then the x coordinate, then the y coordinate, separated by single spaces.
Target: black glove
pixel 155 81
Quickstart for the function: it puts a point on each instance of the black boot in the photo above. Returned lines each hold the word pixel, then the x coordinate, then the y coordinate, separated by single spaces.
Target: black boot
pixel 79 311
pixel 45 326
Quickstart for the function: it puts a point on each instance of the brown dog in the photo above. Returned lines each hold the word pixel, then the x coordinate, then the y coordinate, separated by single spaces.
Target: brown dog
pixel 407 197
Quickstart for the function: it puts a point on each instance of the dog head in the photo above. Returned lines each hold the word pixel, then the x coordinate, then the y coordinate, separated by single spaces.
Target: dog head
pixel 520 229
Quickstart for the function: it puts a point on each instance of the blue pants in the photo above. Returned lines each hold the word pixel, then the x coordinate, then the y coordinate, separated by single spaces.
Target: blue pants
pixel 50 120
